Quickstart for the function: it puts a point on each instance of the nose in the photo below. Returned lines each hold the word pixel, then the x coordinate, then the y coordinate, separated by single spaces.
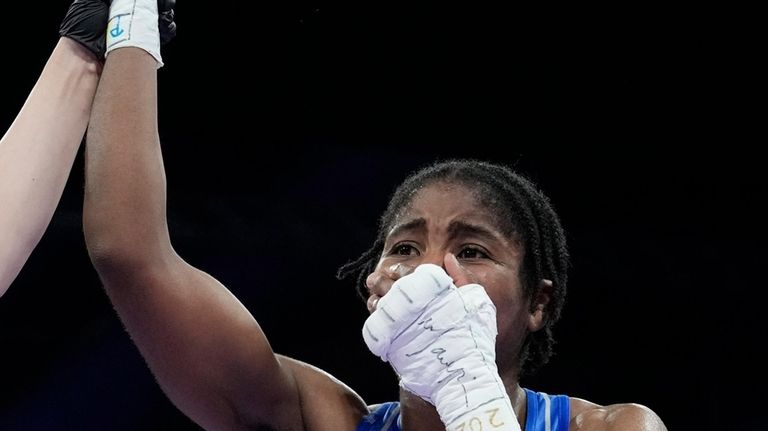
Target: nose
pixel 436 257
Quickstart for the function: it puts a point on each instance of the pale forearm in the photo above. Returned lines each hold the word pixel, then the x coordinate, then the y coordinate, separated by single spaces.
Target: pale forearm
pixel 125 181
pixel 37 152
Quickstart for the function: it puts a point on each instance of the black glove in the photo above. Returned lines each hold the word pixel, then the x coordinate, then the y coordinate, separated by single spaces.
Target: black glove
pixel 167 26
pixel 86 23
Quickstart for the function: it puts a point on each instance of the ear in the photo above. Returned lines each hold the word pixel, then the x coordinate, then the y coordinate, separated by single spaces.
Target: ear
pixel 539 306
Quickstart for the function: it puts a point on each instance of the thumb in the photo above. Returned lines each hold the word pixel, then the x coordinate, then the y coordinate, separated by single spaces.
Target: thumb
pixel 458 273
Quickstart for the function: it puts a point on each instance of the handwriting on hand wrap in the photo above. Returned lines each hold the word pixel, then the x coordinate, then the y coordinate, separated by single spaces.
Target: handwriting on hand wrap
pixel 476 423
pixel 456 373
pixel 439 355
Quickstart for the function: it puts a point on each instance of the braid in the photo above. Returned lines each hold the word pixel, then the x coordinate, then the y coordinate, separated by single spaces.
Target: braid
pixel 363 265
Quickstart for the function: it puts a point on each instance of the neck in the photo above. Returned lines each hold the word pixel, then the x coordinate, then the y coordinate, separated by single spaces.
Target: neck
pixel 418 414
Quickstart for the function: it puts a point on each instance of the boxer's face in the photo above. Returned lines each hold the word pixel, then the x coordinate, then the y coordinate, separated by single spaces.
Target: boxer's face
pixel 446 218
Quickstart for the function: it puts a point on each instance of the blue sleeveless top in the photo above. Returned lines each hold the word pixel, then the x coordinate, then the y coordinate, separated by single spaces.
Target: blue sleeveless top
pixel 545 413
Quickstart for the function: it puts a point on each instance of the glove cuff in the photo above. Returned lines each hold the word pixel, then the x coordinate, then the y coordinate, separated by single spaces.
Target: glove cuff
pixel 134 23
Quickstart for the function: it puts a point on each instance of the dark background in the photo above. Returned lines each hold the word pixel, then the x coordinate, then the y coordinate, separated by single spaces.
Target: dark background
pixel 286 127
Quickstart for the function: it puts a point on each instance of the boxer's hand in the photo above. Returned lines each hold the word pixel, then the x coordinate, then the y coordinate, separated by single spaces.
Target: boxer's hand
pixel 400 304
pixel 380 282
pixel 440 339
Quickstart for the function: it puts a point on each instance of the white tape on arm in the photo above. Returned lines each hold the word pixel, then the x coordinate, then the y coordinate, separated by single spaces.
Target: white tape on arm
pixel 134 23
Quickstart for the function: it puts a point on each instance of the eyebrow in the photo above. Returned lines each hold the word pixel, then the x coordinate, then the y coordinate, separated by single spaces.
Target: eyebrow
pixel 460 228
pixel 413 225
pixel 455 229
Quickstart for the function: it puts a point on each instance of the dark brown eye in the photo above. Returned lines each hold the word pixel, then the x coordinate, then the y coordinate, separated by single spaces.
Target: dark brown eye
pixel 471 253
pixel 404 250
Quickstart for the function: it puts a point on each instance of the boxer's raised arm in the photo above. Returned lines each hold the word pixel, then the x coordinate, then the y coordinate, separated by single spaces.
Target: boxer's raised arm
pixel 206 350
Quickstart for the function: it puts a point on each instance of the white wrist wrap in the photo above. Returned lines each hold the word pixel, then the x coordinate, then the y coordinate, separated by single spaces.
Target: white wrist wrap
pixel 134 23
pixel 441 342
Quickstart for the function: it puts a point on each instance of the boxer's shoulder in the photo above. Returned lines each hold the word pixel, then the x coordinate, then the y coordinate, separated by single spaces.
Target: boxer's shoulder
pixel 586 415
pixel 326 402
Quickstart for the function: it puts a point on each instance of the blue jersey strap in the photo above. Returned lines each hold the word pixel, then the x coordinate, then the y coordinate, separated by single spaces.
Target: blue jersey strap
pixel 383 417
pixel 547 412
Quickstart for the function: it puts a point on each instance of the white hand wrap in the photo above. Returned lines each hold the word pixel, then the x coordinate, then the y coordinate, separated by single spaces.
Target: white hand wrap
pixel 441 341
pixel 134 23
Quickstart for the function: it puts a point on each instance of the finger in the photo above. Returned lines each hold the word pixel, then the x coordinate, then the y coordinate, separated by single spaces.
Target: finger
pixel 460 275
pixel 379 283
pixel 373 300
pixel 399 270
